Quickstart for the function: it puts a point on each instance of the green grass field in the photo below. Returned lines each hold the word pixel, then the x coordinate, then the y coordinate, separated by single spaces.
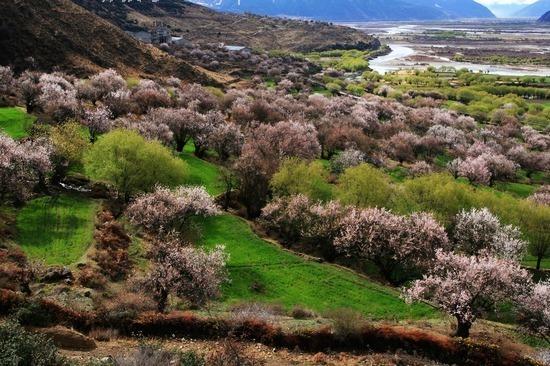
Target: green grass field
pixel 15 121
pixel 289 280
pixel 56 230
pixel 531 261
pixel 519 190
pixel 202 173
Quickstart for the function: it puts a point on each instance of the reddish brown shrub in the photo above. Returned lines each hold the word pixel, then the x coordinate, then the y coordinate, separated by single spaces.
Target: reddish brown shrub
pixel 91 278
pixel 114 264
pixel 111 235
pixel 15 274
pixel 103 334
pixel 301 313
pixel 9 300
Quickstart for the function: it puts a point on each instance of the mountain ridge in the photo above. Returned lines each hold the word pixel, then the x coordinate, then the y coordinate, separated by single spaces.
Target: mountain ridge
pixel 357 10
pixel 545 18
pixel 58 34
pixel 534 10
pixel 199 24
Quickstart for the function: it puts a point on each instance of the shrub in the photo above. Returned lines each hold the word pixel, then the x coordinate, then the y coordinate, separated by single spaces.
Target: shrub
pixel 103 334
pixel 132 164
pixel 230 354
pixel 127 305
pixel 32 313
pixel 91 278
pixel 191 358
pixel 346 322
pixel 301 313
pixel 19 347
pixel 114 263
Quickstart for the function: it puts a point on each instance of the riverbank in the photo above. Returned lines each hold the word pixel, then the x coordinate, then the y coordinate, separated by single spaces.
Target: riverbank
pixel 519 48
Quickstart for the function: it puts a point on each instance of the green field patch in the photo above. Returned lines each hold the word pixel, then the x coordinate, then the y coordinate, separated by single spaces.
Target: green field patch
pixel 202 173
pixel 261 271
pixel 15 122
pixel 56 230
pixel 519 190
pixel 531 261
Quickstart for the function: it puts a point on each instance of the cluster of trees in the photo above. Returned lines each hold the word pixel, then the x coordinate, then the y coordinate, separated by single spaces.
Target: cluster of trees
pixel 467 272
pixel 273 142
pixel 274 66
pixel 257 129
pixel 487 98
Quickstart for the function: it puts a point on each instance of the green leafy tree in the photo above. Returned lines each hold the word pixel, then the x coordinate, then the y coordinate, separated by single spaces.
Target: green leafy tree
pixel 296 176
pixel 70 142
pixel 132 164
pixel 365 186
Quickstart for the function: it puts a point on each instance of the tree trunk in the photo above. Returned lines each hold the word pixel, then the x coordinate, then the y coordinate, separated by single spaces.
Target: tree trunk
pixel 162 300
pixel 180 145
pixel 463 329
pixel 539 260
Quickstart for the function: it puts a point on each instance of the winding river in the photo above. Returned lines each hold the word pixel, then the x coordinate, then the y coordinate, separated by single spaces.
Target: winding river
pixel 400 59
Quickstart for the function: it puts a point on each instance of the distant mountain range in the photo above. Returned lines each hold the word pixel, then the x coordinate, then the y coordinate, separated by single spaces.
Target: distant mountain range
pixel 507 10
pixel 357 10
pixel 545 18
pixel 534 10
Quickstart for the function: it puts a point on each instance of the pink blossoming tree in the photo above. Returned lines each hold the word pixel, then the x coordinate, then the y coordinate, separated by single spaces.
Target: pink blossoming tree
pixel 466 287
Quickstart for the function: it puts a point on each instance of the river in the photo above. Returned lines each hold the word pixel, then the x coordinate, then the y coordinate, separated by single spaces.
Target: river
pixel 413 44
pixel 400 59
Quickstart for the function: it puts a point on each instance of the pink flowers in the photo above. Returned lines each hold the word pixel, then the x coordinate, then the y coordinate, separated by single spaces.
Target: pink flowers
pixel 98 121
pixel 165 210
pixel 467 286
pixel 190 273
pixel 391 241
pixel 22 167
pixel 479 230
pixel 388 240
pixel 534 310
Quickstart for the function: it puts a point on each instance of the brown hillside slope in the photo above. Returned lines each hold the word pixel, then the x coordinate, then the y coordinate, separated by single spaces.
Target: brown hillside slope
pixel 202 25
pixel 58 33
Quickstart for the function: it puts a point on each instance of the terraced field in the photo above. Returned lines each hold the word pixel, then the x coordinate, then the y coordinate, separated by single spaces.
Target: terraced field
pixel 261 271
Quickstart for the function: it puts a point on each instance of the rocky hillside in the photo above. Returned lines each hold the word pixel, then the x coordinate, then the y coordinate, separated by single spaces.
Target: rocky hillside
pixel 199 24
pixel 357 10
pixel 58 33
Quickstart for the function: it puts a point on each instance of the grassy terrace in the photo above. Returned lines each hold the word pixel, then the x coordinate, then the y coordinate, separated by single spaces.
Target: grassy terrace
pixel 56 230
pixel 201 172
pixel 15 121
pixel 287 279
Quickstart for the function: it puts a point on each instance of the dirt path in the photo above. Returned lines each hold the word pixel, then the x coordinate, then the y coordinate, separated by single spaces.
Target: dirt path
pixel 262 354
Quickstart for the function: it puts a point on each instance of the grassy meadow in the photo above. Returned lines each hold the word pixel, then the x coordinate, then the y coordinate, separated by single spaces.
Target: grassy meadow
pixel 14 121
pixel 261 271
pixel 202 173
pixel 56 229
